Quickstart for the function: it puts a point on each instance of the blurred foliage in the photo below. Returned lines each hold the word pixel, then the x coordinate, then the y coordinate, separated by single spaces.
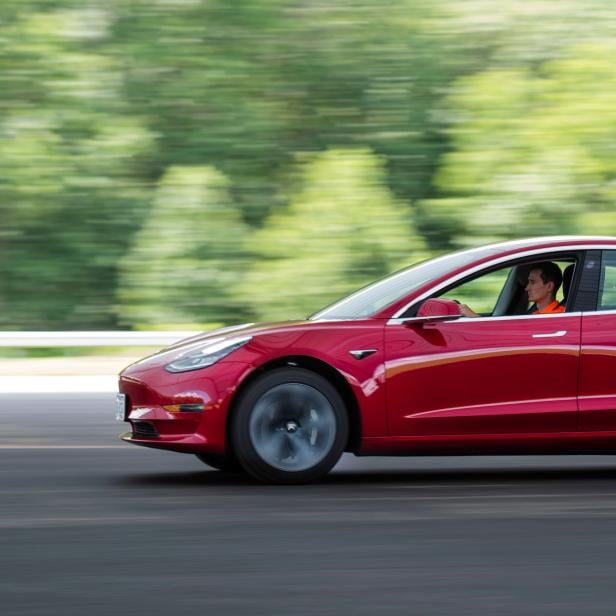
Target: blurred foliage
pixel 199 161
pixel 185 257
pixel 535 149
pixel 342 227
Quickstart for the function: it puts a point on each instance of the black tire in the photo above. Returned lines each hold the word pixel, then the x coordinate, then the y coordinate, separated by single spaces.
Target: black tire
pixel 221 463
pixel 289 426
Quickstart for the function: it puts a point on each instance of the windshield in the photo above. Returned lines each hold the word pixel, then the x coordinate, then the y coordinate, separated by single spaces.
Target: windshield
pixel 380 294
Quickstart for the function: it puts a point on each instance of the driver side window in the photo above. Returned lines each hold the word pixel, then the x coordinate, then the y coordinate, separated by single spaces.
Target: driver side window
pixel 502 292
pixel 481 293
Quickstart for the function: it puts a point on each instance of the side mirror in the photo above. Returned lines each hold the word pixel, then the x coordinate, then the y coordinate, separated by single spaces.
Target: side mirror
pixel 437 309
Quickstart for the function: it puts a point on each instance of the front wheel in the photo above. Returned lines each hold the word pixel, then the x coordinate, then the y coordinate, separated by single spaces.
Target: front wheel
pixel 289 426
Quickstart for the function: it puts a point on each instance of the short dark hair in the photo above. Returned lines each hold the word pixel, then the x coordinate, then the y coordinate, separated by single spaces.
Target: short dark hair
pixel 550 272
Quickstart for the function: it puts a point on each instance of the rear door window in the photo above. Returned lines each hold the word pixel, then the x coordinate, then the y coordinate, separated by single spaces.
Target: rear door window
pixel 607 285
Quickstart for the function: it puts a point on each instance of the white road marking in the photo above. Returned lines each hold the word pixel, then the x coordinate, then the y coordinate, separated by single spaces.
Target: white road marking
pixel 466 497
pixel 460 486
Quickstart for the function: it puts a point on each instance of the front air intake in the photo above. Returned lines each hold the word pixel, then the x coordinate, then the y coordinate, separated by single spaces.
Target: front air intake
pixel 143 429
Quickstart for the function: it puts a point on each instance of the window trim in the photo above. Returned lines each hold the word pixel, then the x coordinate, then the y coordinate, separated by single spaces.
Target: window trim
pixel 579 248
pixel 509 317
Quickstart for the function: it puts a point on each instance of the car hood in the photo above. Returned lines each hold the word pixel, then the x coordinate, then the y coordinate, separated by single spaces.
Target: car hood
pixel 215 336
pixel 246 329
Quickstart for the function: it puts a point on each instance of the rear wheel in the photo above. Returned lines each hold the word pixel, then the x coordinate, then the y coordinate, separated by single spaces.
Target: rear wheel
pixel 289 426
pixel 221 463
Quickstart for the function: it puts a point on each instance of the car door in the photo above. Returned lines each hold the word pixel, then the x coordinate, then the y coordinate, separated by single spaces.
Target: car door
pixel 597 394
pixel 488 375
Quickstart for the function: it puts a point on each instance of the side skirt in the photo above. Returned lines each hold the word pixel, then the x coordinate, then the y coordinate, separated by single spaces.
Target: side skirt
pixel 490 444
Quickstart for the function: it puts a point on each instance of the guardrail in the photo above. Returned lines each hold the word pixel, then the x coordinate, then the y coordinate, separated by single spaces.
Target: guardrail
pixel 91 339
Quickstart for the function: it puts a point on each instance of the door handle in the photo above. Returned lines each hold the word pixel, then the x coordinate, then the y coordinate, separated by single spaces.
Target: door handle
pixel 557 334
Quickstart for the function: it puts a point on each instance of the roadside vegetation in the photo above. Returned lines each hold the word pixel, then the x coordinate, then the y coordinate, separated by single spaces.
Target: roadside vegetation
pixel 184 163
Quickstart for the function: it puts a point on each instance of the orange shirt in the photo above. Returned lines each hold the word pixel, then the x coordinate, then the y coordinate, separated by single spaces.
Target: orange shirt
pixel 552 308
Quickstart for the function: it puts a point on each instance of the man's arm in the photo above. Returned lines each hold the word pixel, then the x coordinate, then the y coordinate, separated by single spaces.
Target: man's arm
pixel 468 312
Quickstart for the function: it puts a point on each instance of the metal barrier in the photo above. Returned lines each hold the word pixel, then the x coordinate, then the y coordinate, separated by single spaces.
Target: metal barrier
pixel 91 339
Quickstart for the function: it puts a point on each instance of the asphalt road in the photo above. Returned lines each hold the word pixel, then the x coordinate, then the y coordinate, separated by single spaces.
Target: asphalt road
pixel 90 525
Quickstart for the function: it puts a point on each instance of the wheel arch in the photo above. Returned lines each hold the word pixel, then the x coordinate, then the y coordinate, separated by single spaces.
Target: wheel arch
pixel 319 367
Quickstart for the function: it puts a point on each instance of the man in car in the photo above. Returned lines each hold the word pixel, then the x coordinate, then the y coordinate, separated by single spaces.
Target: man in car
pixel 544 280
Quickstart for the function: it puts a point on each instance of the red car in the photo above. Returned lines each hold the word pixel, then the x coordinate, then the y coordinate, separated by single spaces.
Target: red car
pixel 397 369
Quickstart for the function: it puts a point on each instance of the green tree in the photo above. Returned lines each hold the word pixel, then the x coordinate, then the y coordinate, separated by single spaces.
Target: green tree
pixel 185 257
pixel 72 159
pixel 534 150
pixel 342 229
pixel 99 101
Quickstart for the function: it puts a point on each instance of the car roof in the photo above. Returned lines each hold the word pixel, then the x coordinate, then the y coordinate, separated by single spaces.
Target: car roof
pixel 546 241
pixel 488 252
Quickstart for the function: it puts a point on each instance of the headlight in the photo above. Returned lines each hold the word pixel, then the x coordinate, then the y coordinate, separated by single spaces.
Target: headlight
pixel 206 356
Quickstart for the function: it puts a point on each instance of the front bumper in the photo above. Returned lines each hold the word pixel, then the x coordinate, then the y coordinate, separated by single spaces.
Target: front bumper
pixel 149 391
pixel 185 444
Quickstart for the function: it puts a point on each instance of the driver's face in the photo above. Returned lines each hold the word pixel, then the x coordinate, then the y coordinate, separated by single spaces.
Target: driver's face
pixel 538 291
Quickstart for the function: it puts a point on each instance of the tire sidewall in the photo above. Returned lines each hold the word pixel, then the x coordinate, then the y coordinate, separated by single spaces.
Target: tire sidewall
pixel 243 447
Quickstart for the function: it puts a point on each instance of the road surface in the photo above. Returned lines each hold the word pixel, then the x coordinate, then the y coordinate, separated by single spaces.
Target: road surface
pixel 91 525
